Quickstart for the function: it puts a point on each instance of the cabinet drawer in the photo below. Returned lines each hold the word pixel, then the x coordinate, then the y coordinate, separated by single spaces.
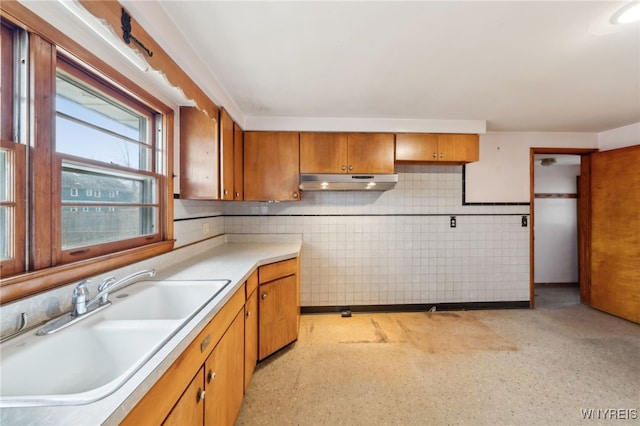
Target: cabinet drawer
pixel 158 402
pixel 276 270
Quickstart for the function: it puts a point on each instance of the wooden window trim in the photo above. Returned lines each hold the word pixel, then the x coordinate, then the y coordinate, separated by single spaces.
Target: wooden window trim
pixel 51 275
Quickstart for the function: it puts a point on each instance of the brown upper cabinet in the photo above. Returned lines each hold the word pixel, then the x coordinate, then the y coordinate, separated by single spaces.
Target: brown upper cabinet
pixel 271 166
pixel 231 167
pixel 427 148
pixel 199 155
pixel 238 163
pixel 346 152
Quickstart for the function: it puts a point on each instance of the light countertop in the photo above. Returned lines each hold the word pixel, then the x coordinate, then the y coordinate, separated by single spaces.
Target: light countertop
pixel 232 257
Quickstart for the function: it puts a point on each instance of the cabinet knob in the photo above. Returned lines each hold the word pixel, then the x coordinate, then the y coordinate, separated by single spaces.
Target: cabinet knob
pixel 225 192
pixel 248 314
pixel 435 155
pixel 237 195
pixel 200 395
pixel 210 376
pixel 264 295
pixel 344 167
pixel 441 155
pixel 295 195
pixel 350 167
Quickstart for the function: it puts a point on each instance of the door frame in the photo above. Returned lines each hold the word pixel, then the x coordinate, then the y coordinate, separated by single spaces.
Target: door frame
pixel 584 218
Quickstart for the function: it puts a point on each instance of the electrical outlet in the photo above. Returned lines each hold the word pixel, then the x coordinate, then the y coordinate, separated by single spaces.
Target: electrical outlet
pixel 205 228
pixel 524 221
pixel 452 222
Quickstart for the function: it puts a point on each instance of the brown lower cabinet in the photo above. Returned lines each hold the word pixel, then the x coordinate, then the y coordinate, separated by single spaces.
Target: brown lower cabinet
pixel 279 306
pixel 206 383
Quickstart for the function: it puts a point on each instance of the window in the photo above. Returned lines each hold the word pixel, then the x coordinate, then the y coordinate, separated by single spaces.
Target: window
pixel 12 157
pixel 104 142
pixel 96 168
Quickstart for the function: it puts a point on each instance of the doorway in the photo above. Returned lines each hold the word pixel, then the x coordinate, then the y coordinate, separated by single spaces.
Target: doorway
pixel 559 205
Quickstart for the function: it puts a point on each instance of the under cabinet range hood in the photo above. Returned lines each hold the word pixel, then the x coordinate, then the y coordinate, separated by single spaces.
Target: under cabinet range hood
pixel 344 182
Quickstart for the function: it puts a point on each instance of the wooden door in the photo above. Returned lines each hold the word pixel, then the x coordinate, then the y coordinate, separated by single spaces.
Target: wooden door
pixel 371 152
pixel 323 152
pixel 615 232
pixel 278 310
pixel 250 337
pixel 238 166
pixel 458 148
pixel 189 410
pixel 271 166
pixel 226 155
pixel 199 161
pixel 224 376
pixel 416 147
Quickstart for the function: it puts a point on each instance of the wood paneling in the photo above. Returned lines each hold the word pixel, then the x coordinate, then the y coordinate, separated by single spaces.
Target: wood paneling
pixel 615 225
pixel 199 160
pixel 584 229
pixel 271 166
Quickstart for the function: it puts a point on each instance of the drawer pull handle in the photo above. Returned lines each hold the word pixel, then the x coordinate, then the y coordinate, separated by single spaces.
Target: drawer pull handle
pixel 205 343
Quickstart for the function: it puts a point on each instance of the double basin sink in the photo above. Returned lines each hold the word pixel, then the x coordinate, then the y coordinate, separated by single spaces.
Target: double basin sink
pixel 94 357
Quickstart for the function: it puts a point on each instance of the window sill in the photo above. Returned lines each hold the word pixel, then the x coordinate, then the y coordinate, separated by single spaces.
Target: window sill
pixel 28 284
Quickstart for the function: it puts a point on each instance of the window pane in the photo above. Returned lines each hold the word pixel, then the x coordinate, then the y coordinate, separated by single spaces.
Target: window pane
pixel 83 225
pixel 6 227
pixel 5 175
pixel 100 206
pixel 91 125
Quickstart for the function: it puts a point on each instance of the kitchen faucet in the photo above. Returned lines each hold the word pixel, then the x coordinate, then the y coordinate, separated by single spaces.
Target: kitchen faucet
pixel 82 307
pixel 80 302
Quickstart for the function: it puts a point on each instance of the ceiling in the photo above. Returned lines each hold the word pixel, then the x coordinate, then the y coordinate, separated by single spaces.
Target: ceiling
pixel 512 65
pixel 518 65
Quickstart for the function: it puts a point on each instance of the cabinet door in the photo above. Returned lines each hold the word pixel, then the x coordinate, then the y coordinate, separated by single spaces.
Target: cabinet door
pixel 250 337
pixel 189 410
pixel 199 162
pixel 226 154
pixel 458 148
pixel 271 166
pixel 278 310
pixel 370 153
pixel 238 166
pixel 224 376
pixel 323 152
pixel 416 147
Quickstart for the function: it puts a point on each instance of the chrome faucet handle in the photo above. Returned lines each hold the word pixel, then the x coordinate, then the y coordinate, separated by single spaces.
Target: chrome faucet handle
pixel 108 282
pixel 79 298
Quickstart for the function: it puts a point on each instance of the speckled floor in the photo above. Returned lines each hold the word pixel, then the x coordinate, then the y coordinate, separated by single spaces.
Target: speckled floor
pixel 510 367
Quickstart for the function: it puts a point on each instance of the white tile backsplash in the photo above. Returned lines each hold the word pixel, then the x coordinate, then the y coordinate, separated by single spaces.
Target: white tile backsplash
pixel 396 247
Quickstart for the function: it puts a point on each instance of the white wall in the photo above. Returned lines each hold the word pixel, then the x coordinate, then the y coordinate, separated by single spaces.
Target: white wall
pixel 620 137
pixel 502 174
pixel 396 247
pixel 556 225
